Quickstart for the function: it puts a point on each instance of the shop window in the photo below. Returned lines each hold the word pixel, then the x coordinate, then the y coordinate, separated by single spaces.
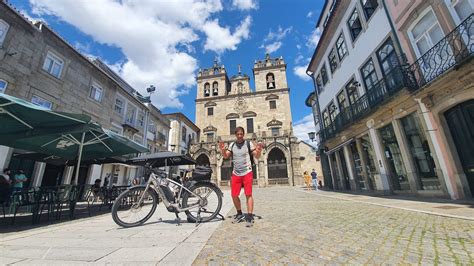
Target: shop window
pixel 421 153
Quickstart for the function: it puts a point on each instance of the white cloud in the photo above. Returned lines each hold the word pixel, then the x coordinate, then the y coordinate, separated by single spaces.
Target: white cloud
pixel 300 71
pixel 298 46
pixel 272 47
pixel 220 39
pixel 314 38
pixel 303 127
pixel 298 59
pixel 273 41
pixel 245 4
pixel 310 14
pixel 156 38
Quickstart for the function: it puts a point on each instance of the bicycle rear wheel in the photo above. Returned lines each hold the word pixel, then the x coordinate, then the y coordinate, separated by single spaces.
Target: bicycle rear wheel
pixel 208 204
pixel 128 210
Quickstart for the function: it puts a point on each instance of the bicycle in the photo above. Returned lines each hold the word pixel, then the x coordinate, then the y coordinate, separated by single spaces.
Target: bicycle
pixel 196 197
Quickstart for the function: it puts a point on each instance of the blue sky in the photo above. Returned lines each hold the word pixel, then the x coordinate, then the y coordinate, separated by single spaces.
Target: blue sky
pixel 164 43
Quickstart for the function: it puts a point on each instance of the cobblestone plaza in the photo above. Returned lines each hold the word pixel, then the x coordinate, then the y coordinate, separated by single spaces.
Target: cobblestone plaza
pixel 293 226
pixel 305 228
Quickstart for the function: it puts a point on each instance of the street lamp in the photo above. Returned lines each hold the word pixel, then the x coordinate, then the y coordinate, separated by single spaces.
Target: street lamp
pixel 311 135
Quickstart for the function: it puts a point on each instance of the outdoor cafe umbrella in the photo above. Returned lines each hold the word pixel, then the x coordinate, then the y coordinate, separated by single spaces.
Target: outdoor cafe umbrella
pixel 55 160
pixel 69 136
pixel 159 159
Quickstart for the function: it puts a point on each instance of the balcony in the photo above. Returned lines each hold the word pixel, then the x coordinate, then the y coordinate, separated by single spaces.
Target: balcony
pixel 450 52
pixel 160 138
pixel 130 125
pixel 381 92
pixel 454 49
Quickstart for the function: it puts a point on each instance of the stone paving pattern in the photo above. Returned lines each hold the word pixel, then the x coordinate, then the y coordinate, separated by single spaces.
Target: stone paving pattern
pixel 299 227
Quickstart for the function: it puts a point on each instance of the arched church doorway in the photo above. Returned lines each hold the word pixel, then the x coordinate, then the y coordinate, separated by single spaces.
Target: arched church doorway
pixel 203 160
pixel 277 170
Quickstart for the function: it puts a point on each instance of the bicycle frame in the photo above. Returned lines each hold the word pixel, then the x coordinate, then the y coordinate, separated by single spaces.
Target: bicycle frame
pixel 154 183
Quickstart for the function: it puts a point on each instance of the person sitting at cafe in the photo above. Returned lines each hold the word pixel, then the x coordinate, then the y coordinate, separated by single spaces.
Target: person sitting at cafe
pixel 18 181
pixel 5 187
pixel 96 186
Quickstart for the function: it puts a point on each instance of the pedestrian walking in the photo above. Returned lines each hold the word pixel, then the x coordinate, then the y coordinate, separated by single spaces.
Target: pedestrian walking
pixel 242 153
pixel 314 177
pixel 18 181
pixel 307 180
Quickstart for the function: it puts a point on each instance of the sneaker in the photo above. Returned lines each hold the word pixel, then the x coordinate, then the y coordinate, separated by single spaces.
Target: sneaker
pixel 250 220
pixel 238 218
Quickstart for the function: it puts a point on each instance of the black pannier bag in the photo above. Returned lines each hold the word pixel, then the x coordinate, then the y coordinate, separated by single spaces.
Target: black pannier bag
pixel 202 173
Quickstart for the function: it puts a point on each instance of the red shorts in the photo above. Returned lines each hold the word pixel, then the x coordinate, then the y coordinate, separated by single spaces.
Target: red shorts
pixel 238 181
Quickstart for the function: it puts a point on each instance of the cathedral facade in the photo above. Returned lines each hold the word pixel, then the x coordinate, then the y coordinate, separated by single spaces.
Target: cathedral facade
pixel 224 103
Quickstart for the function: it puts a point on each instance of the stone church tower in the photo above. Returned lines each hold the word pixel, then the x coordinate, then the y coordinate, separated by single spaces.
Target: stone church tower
pixel 222 104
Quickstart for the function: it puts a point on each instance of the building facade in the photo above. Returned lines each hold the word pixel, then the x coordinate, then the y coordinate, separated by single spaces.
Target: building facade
pixel 224 103
pixel 183 134
pixel 384 73
pixel 37 65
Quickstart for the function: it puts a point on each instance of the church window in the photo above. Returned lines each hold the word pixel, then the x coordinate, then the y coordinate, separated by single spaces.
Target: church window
pixel 215 88
pixel 273 104
pixel 207 89
pixel 232 126
pixel 275 131
pixel 249 125
pixel 210 111
pixel 270 81
pixel 210 137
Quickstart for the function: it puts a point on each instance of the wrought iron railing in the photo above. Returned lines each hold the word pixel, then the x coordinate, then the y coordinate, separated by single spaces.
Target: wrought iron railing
pixel 397 79
pixel 453 49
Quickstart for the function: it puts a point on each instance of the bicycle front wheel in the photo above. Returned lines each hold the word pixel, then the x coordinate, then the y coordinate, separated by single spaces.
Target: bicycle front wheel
pixel 134 206
pixel 208 204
